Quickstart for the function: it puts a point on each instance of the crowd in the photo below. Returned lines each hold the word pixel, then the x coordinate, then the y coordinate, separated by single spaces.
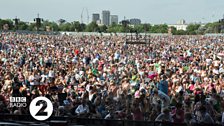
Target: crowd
pixel 174 78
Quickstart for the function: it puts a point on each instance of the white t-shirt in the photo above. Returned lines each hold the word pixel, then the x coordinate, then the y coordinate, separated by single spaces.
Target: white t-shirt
pixel 215 71
pixel 216 63
pixel 95 60
pixel 81 73
pixel 208 61
pixel 221 70
pixel 81 49
pixel 180 88
pixel 77 76
pixel 43 78
pixel 31 79
pixel 51 73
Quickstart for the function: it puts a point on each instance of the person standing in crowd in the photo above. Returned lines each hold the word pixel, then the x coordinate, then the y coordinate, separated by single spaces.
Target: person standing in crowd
pixel 163 85
pixel 164 116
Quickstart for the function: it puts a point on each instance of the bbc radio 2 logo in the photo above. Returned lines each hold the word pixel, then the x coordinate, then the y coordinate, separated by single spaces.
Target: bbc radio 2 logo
pixel 17 102
pixel 41 108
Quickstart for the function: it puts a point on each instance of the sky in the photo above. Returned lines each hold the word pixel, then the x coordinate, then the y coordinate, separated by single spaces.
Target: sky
pixel 149 11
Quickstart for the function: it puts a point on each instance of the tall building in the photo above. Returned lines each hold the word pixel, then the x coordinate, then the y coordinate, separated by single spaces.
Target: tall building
pixel 181 22
pixel 135 21
pixel 106 17
pixel 96 17
pixel 113 19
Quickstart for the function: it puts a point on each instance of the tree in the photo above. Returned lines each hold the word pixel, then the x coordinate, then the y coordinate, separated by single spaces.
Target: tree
pixel 192 29
pixel 65 27
pixel 77 26
pixel 32 27
pixel 8 22
pixel 82 27
pixel 53 26
pixel 173 30
pixel 147 27
pixel 92 27
pixel 180 32
pixel 114 28
pixel 61 21
pixel 163 28
pixel 201 30
pixel 212 27
pixel 23 25
pixel 103 28
pixel 138 28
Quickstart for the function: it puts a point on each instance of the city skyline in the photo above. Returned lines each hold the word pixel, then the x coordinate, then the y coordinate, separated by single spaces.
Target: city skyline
pixel 150 11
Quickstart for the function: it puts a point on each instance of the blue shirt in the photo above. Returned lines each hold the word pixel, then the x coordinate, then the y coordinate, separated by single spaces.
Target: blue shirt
pixel 163 86
pixel 117 56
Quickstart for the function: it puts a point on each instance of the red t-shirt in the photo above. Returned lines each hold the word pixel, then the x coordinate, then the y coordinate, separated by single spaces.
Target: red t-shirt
pixel 191 87
pixel 76 52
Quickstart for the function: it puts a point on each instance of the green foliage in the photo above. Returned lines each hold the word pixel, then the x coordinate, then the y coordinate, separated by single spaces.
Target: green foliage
pixel 32 27
pixel 213 27
pixel 180 32
pixel 115 28
pixel 61 21
pixel 92 27
pixel 7 21
pixel 139 28
pixel 192 29
pixel 82 27
pixel 65 27
pixel 76 26
pixel 53 26
pixel 23 26
pixel 147 27
pixel 173 30
pixel 159 28
pixel 103 28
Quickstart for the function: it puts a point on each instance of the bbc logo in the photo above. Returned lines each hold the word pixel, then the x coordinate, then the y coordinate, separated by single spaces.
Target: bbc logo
pixel 17 99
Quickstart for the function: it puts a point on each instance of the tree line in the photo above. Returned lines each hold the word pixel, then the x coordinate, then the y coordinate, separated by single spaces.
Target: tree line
pixel 76 26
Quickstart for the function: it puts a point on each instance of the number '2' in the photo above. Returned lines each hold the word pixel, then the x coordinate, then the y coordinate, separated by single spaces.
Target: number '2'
pixel 42 111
